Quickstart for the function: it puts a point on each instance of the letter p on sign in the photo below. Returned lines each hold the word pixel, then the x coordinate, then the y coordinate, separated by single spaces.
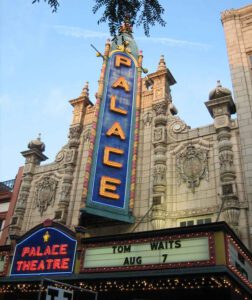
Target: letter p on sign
pixel 54 293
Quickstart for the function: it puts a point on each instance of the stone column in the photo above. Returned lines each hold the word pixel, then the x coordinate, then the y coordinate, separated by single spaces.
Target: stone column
pixel 79 104
pixel 33 158
pixel 221 106
pixel 159 170
pixel 162 105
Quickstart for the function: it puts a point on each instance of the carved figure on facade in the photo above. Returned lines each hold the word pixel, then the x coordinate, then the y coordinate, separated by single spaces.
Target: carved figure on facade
pixel 159 135
pixel 22 199
pixel 226 160
pixel 192 166
pixel 45 193
pixel 65 193
pixel 69 157
pixel 159 173
pixel 86 135
pixel 147 118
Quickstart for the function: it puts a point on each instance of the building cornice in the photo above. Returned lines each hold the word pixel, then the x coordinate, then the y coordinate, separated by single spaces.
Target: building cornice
pixel 235 13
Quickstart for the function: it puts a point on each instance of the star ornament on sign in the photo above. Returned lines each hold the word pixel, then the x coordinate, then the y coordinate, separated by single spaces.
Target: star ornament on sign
pixel 46 237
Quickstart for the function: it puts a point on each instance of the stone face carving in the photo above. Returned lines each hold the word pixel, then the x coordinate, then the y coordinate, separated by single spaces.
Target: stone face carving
pixel 45 193
pixel 192 166
pixel 147 118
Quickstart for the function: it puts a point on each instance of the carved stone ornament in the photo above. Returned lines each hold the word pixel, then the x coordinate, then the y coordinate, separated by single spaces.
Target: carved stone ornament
pixel 60 156
pixel 45 193
pixel 192 166
pixel 147 118
pixel 175 127
pixel 74 132
pixel 69 158
pixel 160 108
pixel 159 135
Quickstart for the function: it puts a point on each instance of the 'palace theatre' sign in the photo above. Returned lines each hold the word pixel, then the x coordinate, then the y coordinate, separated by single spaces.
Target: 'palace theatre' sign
pixel 46 251
pixel 109 184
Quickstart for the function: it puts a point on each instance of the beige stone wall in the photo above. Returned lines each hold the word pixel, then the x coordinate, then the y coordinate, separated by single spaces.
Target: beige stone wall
pixel 237 26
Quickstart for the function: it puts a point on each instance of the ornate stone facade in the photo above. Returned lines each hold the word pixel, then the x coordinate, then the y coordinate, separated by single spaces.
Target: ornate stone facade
pixel 181 175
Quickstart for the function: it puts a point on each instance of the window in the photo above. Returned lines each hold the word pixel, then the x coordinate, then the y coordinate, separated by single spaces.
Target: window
pixel 203 221
pixel 157 200
pixel 187 223
pixel 195 222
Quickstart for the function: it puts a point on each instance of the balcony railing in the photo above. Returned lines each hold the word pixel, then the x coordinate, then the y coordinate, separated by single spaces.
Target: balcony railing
pixel 7 185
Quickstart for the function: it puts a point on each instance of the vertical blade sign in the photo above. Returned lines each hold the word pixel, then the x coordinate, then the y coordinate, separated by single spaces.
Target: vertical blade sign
pixel 109 184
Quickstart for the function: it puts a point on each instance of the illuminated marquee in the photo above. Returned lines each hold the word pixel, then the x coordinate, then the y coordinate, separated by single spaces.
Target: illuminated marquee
pixel 46 251
pixel 152 253
pixel 109 185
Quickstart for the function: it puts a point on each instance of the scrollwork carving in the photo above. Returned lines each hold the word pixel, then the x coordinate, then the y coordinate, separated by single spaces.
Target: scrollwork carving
pixel 60 156
pixel 45 193
pixel 192 166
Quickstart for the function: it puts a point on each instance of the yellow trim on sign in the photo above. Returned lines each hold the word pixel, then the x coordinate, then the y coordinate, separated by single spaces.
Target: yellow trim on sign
pixel 219 238
pixel 130 55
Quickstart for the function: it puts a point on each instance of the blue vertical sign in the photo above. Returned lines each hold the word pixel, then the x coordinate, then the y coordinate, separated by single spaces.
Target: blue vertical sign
pixel 109 184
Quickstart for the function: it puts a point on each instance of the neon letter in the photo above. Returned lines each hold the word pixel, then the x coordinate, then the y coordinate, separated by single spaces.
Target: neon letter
pixel 114 108
pixel 121 82
pixel 116 129
pixel 63 249
pixel 25 251
pixel 19 265
pixel 105 187
pixel 106 160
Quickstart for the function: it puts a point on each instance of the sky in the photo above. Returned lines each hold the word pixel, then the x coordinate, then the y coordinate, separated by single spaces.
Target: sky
pixel 46 58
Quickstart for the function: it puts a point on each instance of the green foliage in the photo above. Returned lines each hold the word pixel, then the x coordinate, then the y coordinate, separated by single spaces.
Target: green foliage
pixel 140 12
pixel 53 3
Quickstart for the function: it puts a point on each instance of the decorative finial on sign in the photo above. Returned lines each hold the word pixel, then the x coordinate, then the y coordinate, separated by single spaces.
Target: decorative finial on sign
pixel 126 27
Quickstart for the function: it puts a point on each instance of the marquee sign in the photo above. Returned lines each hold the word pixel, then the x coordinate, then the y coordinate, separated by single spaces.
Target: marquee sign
pixel 168 252
pixel 109 184
pixel 46 251
pixel 238 261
